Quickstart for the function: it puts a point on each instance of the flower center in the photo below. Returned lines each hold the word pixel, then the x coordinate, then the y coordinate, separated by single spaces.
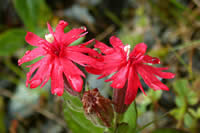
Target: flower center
pixel 127 50
pixel 49 38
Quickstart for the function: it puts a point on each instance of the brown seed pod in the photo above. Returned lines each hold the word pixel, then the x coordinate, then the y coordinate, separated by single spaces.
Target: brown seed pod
pixel 97 108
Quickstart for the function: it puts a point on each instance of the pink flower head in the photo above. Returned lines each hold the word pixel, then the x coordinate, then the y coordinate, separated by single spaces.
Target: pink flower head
pixel 58 58
pixel 127 65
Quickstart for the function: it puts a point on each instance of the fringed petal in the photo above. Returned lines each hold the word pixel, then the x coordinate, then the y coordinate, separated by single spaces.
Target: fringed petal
pixel 151 80
pixel 57 82
pixel 30 55
pixel 83 60
pixel 82 49
pixel 119 79
pixel 41 73
pixel 73 75
pixel 73 35
pixel 70 69
pixel 103 47
pixel 92 70
pixel 50 28
pixel 133 84
pixel 159 73
pixel 107 71
pixel 59 32
pixel 76 82
pixel 47 76
pixel 149 59
pixel 33 39
pixel 116 42
pixel 138 50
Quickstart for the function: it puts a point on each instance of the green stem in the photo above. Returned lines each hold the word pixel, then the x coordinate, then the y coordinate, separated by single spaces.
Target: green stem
pixel 136 111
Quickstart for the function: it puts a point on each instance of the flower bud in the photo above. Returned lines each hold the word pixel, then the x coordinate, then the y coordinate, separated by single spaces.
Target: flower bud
pixel 119 100
pixel 97 108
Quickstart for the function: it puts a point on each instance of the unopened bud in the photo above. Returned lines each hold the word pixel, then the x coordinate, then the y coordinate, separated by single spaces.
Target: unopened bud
pixel 97 108
pixel 119 100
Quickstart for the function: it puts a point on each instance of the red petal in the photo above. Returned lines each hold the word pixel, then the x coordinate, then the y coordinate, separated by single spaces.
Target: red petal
pixel 86 43
pixel 158 72
pixel 114 58
pixel 41 72
pixel 57 82
pixel 133 84
pixel 139 50
pixel 59 32
pixel 103 47
pixel 50 28
pixel 76 82
pixel 70 69
pixel 72 35
pixel 48 74
pixel 149 59
pixel 108 69
pixel 33 39
pixel 119 78
pixel 116 42
pixel 35 83
pixel 30 55
pixel 83 59
pixel 93 70
pixel 151 80
pixel 83 49
pixel 32 69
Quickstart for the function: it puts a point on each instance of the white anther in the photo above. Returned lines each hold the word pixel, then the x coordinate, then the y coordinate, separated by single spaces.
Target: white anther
pixel 127 50
pixel 49 38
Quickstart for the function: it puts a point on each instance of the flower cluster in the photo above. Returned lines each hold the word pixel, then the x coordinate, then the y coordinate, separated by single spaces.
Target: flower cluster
pixel 60 59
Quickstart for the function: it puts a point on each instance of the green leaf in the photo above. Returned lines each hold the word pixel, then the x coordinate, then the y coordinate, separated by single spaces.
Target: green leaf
pixel 130 116
pixel 194 113
pixel 178 112
pixel 77 122
pixel 154 95
pixel 73 102
pixel 192 98
pixel 32 12
pixel 11 40
pixel 180 101
pixel 123 128
pixel 185 95
pixel 181 87
pixel 198 112
pixel 167 130
pixel 2 116
pixel 188 120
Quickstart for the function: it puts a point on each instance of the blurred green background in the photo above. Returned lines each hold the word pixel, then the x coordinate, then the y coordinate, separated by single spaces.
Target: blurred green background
pixel 170 28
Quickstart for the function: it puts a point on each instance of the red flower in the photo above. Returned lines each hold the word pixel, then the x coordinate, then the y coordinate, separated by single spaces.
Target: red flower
pixel 58 58
pixel 127 66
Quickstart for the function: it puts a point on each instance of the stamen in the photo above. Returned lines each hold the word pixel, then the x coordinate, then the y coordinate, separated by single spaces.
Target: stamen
pixel 127 50
pixel 49 38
